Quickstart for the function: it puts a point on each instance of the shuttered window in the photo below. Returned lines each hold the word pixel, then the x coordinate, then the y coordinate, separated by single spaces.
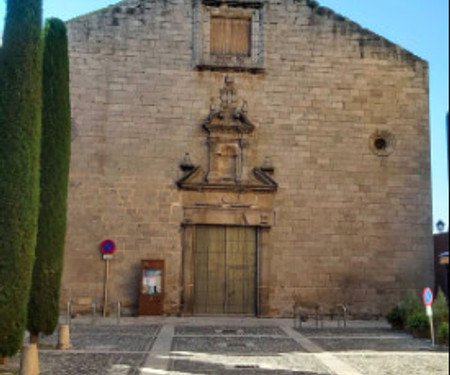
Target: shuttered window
pixel 230 36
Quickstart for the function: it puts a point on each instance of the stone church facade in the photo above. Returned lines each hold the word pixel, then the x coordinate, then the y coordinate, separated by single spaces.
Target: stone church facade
pixel 269 152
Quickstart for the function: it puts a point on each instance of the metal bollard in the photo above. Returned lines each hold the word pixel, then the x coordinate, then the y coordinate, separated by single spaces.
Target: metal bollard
pixel 69 312
pixel 118 312
pixel 344 314
pixel 345 318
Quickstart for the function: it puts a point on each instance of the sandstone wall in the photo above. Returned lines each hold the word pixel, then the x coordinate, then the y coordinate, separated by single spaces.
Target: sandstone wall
pixel 350 225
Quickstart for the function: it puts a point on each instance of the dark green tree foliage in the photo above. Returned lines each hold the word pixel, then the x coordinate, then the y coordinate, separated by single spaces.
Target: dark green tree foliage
pixel 43 308
pixel 20 131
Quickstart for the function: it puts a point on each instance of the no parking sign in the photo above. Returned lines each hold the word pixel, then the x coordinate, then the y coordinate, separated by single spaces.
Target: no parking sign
pixel 427 297
pixel 107 247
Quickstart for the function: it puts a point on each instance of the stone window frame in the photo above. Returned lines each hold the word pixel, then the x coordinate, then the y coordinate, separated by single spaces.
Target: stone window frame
pixel 382 143
pixel 204 10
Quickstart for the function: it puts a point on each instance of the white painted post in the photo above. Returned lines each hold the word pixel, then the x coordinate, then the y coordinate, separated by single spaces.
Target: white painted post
pixel 64 337
pixel 29 360
pixel 105 297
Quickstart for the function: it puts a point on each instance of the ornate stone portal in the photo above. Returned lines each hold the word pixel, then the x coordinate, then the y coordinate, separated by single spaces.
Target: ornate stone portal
pixel 217 201
pixel 228 129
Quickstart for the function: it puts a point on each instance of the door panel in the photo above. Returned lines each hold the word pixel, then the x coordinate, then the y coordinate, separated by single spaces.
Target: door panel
pixel 209 285
pixel 241 246
pixel 225 270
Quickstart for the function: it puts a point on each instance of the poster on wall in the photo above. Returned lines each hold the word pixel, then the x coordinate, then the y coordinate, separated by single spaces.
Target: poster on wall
pixel 152 281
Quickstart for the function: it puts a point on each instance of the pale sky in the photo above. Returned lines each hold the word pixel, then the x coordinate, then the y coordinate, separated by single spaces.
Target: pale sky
pixel 420 26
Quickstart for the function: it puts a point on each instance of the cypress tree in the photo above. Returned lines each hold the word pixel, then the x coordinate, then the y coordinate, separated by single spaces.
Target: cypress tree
pixel 20 124
pixel 43 307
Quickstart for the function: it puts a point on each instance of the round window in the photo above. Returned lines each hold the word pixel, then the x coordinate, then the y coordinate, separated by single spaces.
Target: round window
pixel 382 143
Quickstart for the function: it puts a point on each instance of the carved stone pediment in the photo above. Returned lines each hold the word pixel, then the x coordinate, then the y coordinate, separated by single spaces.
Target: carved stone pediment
pixel 256 181
pixel 228 130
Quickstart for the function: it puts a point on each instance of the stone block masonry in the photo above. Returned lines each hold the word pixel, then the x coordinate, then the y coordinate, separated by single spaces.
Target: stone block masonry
pixel 351 218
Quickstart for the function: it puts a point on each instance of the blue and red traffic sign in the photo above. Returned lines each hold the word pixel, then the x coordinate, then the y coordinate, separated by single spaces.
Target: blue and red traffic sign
pixel 108 247
pixel 427 297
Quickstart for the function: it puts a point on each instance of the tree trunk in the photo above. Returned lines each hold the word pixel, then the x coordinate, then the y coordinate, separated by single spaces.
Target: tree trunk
pixel 34 338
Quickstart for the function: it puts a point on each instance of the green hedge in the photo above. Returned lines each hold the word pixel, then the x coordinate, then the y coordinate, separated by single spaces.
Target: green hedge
pixel 43 308
pixel 442 333
pixel 20 131
pixel 418 325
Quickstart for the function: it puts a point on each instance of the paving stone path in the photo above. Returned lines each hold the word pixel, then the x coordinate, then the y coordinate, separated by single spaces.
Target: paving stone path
pixel 224 346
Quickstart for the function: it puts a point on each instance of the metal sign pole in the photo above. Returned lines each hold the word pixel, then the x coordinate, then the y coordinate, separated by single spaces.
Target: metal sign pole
pixel 432 330
pixel 429 312
pixel 105 300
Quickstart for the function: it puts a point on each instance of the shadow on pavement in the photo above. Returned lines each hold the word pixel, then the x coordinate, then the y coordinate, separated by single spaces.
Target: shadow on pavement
pixel 366 339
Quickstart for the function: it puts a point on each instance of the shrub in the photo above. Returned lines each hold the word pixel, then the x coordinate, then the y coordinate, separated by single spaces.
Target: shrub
pixel 442 333
pixel 440 309
pixel 395 317
pixel 417 324
pixel 411 304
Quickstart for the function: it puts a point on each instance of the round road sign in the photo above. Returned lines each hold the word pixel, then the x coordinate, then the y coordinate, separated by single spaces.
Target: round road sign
pixel 427 297
pixel 108 247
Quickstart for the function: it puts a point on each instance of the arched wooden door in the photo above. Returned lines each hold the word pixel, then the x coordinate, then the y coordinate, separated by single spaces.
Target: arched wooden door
pixel 225 264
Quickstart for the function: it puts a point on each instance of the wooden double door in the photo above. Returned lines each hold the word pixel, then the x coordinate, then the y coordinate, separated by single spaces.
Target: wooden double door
pixel 225 263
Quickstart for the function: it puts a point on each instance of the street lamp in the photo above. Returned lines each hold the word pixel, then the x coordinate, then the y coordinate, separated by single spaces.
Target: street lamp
pixel 440 225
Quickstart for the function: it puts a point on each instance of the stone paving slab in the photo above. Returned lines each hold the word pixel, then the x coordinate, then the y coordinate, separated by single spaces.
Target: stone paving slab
pixel 63 363
pixel 242 369
pixel 107 338
pixel 398 363
pixel 112 342
pixel 235 345
pixel 228 331
pixel 351 331
pixel 151 330
pixel 192 346
pixel 258 364
pixel 379 344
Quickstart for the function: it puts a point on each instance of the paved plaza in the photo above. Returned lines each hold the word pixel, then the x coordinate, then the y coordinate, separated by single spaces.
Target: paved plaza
pixel 235 346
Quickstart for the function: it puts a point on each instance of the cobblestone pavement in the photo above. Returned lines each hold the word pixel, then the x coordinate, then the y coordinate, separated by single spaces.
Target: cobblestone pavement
pixel 226 346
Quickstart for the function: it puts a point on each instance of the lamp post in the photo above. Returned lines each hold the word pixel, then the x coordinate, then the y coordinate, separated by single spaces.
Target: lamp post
pixel 440 225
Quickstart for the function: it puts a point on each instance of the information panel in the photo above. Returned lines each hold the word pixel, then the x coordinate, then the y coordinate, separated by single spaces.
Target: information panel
pixel 151 287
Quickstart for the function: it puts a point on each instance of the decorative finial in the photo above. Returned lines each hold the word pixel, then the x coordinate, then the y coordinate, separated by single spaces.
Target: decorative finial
pixel 267 166
pixel 186 165
pixel 228 93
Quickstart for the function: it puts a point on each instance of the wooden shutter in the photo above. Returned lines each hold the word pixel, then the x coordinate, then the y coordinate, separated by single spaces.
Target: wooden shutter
pixel 230 36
